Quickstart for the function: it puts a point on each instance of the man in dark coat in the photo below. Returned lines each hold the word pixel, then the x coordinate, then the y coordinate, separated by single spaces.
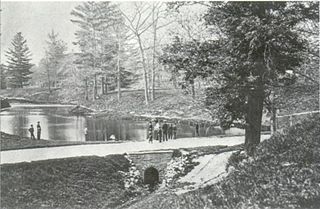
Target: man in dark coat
pixel 38 131
pixel 31 130
pixel 170 131
pixel 165 131
pixel 197 129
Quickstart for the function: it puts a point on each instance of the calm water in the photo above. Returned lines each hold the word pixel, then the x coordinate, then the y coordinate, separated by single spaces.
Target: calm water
pixel 58 124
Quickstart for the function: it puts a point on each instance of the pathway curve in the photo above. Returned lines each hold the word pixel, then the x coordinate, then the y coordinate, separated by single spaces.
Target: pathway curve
pixel 28 155
pixel 210 170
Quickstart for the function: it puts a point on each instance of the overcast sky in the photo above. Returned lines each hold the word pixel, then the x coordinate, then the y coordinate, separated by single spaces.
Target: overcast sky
pixel 35 20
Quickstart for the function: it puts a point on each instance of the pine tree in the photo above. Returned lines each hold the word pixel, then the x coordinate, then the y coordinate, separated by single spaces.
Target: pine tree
pixel 55 52
pixel 19 62
pixel 94 39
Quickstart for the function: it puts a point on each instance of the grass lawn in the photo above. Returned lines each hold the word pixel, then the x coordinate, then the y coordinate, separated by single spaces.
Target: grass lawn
pixel 83 182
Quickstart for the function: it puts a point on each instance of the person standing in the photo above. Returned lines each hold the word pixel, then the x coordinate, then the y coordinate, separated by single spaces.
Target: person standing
pixel 149 133
pixel 165 131
pixel 156 130
pixel 86 133
pixel 174 130
pixel 170 131
pixel 160 133
pixel 31 130
pixel 38 131
pixel 197 129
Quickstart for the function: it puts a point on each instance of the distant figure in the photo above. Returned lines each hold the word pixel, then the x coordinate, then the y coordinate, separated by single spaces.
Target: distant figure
pixel 156 130
pixel 170 131
pixel 197 129
pixel 86 133
pixel 38 131
pixel 149 132
pixel 160 133
pixel 174 130
pixel 31 130
pixel 165 131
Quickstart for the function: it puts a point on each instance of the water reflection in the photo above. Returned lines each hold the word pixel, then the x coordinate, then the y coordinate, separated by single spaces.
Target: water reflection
pixel 58 124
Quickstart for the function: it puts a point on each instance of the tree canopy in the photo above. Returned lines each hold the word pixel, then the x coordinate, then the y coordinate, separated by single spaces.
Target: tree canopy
pixel 18 64
pixel 258 46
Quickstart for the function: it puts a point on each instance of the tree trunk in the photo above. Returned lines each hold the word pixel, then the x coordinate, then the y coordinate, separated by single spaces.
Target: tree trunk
pixel 254 118
pixel 95 90
pixel 153 55
pixel 274 114
pixel 86 88
pixel 49 87
pixel 146 96
pixel 193 89
pixel 106 85
pixel 102 85
pixel 119 72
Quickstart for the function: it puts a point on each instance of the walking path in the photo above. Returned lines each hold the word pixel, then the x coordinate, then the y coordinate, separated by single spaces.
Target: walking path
pixel 210 170
pixel 28 155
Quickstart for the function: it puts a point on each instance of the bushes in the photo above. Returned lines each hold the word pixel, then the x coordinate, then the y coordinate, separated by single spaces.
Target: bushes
pixel 284 173
pixel 82 182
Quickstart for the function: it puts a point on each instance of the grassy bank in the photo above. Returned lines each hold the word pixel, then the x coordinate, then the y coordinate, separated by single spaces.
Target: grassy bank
pixel 12 142
pixel 84 182
pixel 285 173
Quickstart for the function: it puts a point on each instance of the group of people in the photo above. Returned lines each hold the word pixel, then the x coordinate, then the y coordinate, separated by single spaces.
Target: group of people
pixel 31 130
pixel 161 131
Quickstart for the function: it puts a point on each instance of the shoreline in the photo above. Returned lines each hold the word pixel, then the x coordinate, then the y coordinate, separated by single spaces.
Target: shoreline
pixel 113 113
pixel 22 143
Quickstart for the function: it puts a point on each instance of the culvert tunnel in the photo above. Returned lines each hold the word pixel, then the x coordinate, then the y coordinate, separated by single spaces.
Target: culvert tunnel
pixel 151 176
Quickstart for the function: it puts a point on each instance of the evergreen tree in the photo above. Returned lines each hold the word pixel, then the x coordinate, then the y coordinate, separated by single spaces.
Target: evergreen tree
pixel 19 62
pixel 55 52
pixel 94 37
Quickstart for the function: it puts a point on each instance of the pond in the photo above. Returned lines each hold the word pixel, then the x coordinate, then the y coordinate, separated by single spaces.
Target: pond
pixel 58 124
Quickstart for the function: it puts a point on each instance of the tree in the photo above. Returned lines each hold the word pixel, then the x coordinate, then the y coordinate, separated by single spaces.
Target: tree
pixel 19 62
pixel 54 54
pixel 138 24
pixel 190 59
pixel 93 19
pixel 261 46
pixel 258 45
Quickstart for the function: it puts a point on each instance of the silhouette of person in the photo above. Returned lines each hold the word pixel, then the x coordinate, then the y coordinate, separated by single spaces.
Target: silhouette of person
pixel 197 130
pixel 31 130
pixel 38 131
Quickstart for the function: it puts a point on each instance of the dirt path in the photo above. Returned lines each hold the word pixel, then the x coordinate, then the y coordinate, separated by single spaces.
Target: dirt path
pixel 28 155
pixel 210 170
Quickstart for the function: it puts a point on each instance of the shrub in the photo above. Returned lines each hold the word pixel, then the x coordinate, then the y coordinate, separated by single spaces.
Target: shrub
pixel 285 172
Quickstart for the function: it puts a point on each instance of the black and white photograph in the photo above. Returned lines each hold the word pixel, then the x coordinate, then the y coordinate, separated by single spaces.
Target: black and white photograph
pixel 159 105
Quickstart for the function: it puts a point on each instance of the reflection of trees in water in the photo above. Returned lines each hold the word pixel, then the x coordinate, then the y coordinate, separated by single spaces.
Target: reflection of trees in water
pixel 58 126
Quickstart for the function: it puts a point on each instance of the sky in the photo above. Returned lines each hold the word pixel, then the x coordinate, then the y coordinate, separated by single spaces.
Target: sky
pixel 35 20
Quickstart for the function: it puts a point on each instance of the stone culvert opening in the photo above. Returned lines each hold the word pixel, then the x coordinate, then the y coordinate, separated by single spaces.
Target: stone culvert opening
pixel 151 177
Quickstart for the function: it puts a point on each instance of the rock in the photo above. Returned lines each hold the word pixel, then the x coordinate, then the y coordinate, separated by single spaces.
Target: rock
pixel 80 110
